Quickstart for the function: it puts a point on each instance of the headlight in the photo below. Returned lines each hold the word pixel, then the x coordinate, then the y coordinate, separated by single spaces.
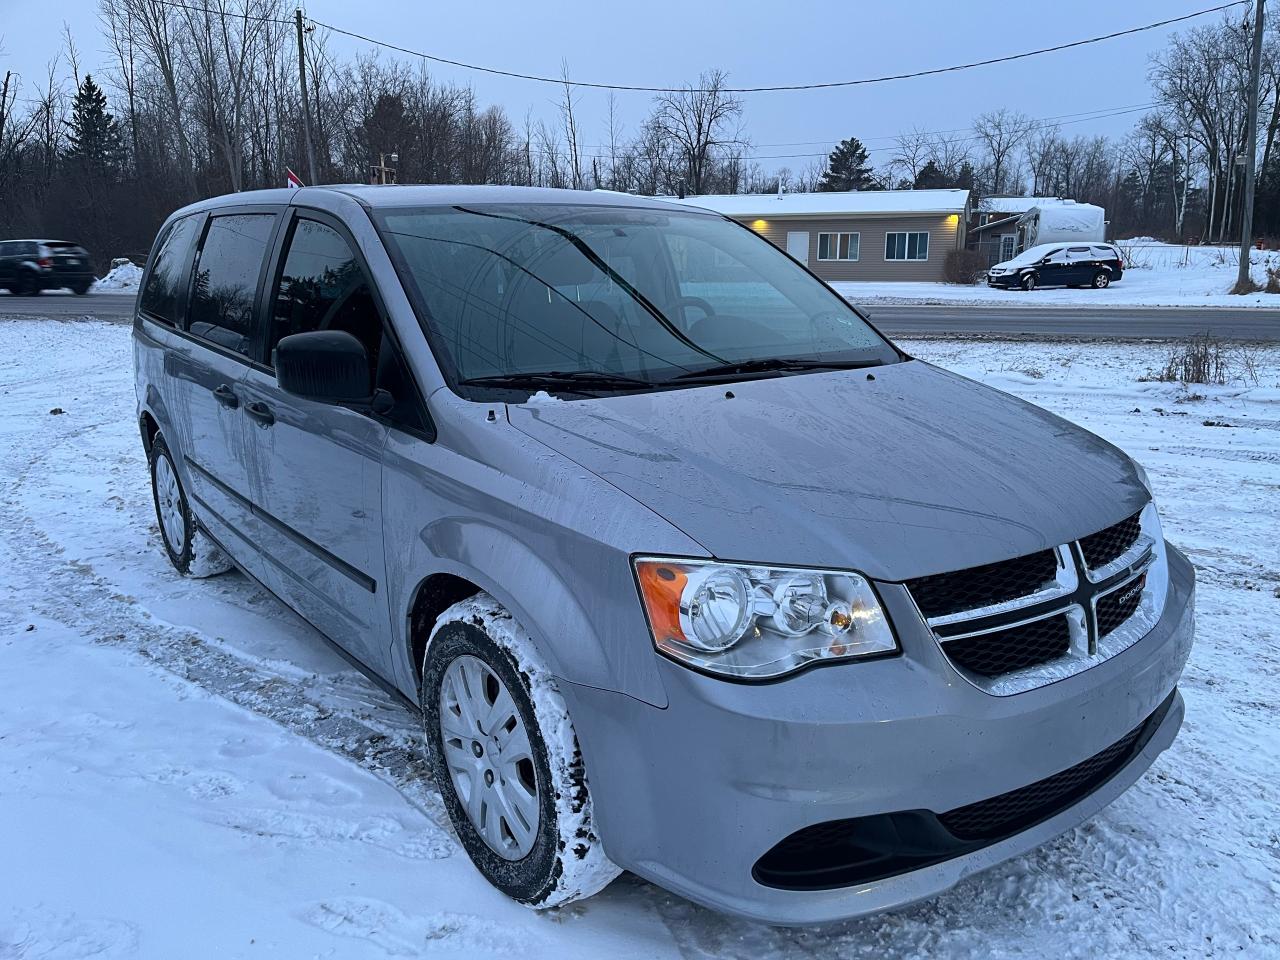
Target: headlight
pixel 758 622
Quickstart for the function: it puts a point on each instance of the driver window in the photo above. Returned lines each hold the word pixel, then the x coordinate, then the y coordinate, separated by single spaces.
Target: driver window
pixel 1056 256
pixel 322 287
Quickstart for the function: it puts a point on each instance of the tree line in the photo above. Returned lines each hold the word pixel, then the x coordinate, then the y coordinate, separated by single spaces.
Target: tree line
pixel 201 99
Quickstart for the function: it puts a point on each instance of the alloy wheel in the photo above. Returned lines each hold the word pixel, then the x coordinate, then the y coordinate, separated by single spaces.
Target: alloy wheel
pixel 487 752
pixel 169 505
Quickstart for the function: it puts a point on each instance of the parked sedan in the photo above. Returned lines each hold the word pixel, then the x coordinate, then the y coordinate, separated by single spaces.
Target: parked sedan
pixel 29 266
pixel 1096 265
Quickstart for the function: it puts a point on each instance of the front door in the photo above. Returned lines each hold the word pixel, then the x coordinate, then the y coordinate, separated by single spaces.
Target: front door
pixel 317 474
pixel 1053 269
pixel 798 245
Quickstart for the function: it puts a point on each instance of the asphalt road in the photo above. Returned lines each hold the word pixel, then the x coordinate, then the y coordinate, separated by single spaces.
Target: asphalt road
pixel 1125 323
pixel 60 305
pixel 902 320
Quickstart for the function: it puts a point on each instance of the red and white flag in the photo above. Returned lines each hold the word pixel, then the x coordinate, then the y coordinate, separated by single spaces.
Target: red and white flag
pixel 292 179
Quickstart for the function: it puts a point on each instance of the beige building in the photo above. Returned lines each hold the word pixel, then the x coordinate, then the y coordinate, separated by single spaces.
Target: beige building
pixel 859 235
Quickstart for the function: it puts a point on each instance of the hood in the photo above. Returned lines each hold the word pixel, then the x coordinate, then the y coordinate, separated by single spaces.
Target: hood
pixel 914 472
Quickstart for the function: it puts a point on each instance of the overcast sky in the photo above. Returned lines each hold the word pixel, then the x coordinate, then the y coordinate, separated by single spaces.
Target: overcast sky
pixel 659 42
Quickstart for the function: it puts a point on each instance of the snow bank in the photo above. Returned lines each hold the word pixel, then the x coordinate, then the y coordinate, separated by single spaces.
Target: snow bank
pixel 123 275
pixel 189 772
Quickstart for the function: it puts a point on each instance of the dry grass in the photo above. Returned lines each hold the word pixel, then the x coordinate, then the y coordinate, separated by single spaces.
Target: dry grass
pixel 1199 359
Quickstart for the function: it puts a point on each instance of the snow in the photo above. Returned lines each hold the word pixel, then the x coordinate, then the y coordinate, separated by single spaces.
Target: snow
pixel 1156 275
pixel 1012 205
pixel 123 275
pixel 816 204
pixel 186 771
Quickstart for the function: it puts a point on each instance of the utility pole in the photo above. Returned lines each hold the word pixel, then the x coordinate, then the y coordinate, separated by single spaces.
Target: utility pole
pixel 306 101
pixel 1243 281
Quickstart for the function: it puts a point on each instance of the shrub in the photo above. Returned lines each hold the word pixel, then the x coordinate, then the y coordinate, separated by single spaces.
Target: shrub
pixel 964 266
pixel 1273 279
pixel 1198 359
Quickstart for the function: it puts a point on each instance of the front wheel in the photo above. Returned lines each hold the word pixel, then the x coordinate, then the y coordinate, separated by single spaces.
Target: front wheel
pixel 1029 282
pixel 1101 280
pixel 505 758
pixel 81 288
pixel 190 550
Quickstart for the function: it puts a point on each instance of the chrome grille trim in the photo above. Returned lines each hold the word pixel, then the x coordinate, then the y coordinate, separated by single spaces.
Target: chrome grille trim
pixel 1075 592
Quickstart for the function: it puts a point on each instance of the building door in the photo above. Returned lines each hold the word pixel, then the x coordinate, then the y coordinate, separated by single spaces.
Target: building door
pixel 798 245
pixel 1008 246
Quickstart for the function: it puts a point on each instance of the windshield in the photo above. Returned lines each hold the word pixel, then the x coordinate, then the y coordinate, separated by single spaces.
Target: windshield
pixel 638 294
pixel 1034 254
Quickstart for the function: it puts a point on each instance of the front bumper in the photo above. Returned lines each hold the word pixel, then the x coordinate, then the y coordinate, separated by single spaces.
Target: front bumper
pixel 1004 280
pixel 693 795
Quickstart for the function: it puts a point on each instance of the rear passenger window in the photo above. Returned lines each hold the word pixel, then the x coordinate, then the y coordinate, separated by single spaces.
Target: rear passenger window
pixel 166 283
pixel 226 279
pixel 322 287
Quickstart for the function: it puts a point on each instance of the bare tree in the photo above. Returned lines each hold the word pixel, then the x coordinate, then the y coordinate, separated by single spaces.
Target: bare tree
pixel 702 123
pixel 1001 134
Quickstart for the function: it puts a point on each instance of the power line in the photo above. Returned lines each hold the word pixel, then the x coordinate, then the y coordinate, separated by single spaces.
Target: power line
pixel 777 87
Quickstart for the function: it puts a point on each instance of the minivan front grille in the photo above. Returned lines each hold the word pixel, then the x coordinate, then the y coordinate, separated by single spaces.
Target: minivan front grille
pixel 997 623
pixel 1009 812
pixel 1026 645
pixel 989 584
pixel 842 853
pixel 1110 544
pixel 1118 606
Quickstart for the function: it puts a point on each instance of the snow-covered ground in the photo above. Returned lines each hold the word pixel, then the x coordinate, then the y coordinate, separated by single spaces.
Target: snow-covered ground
pixel 1160 275
pixel 186 771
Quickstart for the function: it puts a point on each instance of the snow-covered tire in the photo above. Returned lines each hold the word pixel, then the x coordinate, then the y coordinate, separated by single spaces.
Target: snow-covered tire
pixel 566 861
pixel 1029 282
pixel 1101 280
pixel 190 550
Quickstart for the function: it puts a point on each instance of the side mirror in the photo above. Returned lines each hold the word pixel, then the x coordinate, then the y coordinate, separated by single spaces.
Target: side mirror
pixel 330 366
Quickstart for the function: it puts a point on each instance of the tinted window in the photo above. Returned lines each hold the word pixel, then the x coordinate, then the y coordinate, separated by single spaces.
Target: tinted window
pixel 166 283
pixel 226 279
pixel 322 287
pixel 5 248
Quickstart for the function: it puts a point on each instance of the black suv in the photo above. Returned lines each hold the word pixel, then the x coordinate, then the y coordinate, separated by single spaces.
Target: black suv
pixel 1095 265
pixel 29 266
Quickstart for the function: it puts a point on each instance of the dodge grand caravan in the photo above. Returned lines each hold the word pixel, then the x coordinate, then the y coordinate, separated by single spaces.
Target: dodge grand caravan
pixel 690 571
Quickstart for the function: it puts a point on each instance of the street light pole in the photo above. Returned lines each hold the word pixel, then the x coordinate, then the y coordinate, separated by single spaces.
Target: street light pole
pixel 1243 281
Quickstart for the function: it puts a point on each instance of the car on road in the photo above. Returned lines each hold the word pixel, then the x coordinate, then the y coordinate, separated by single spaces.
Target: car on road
pixel 1096 265
pixel 688 570
pixel 30 266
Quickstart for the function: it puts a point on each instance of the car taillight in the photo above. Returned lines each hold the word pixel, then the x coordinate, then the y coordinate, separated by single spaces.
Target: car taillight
pixel 44 263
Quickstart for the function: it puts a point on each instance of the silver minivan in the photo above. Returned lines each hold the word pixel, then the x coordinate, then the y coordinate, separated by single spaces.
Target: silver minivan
pixel 690 571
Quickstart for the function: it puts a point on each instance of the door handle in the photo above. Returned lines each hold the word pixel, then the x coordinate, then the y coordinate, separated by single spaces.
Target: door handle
pixel 226 396
pixel 260 412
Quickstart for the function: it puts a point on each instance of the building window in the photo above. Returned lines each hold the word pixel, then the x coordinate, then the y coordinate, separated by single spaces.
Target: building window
pixel 906 246
pixel 1008 246
pixel 838 246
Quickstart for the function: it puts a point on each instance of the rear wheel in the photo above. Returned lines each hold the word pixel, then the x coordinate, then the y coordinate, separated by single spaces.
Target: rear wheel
pixel 1101 280
pixel 27 285
pixel 1029 281
pixel 190 550
pixel 81 288
pixel 505 758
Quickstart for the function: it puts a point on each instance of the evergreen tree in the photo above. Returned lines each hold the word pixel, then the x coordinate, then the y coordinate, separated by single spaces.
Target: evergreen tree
pixel 847 168
pixel 931 177
pixel 96 144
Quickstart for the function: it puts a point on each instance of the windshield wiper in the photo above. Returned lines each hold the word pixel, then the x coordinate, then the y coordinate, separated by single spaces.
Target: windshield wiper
pixel 576 380
pixel 771 365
